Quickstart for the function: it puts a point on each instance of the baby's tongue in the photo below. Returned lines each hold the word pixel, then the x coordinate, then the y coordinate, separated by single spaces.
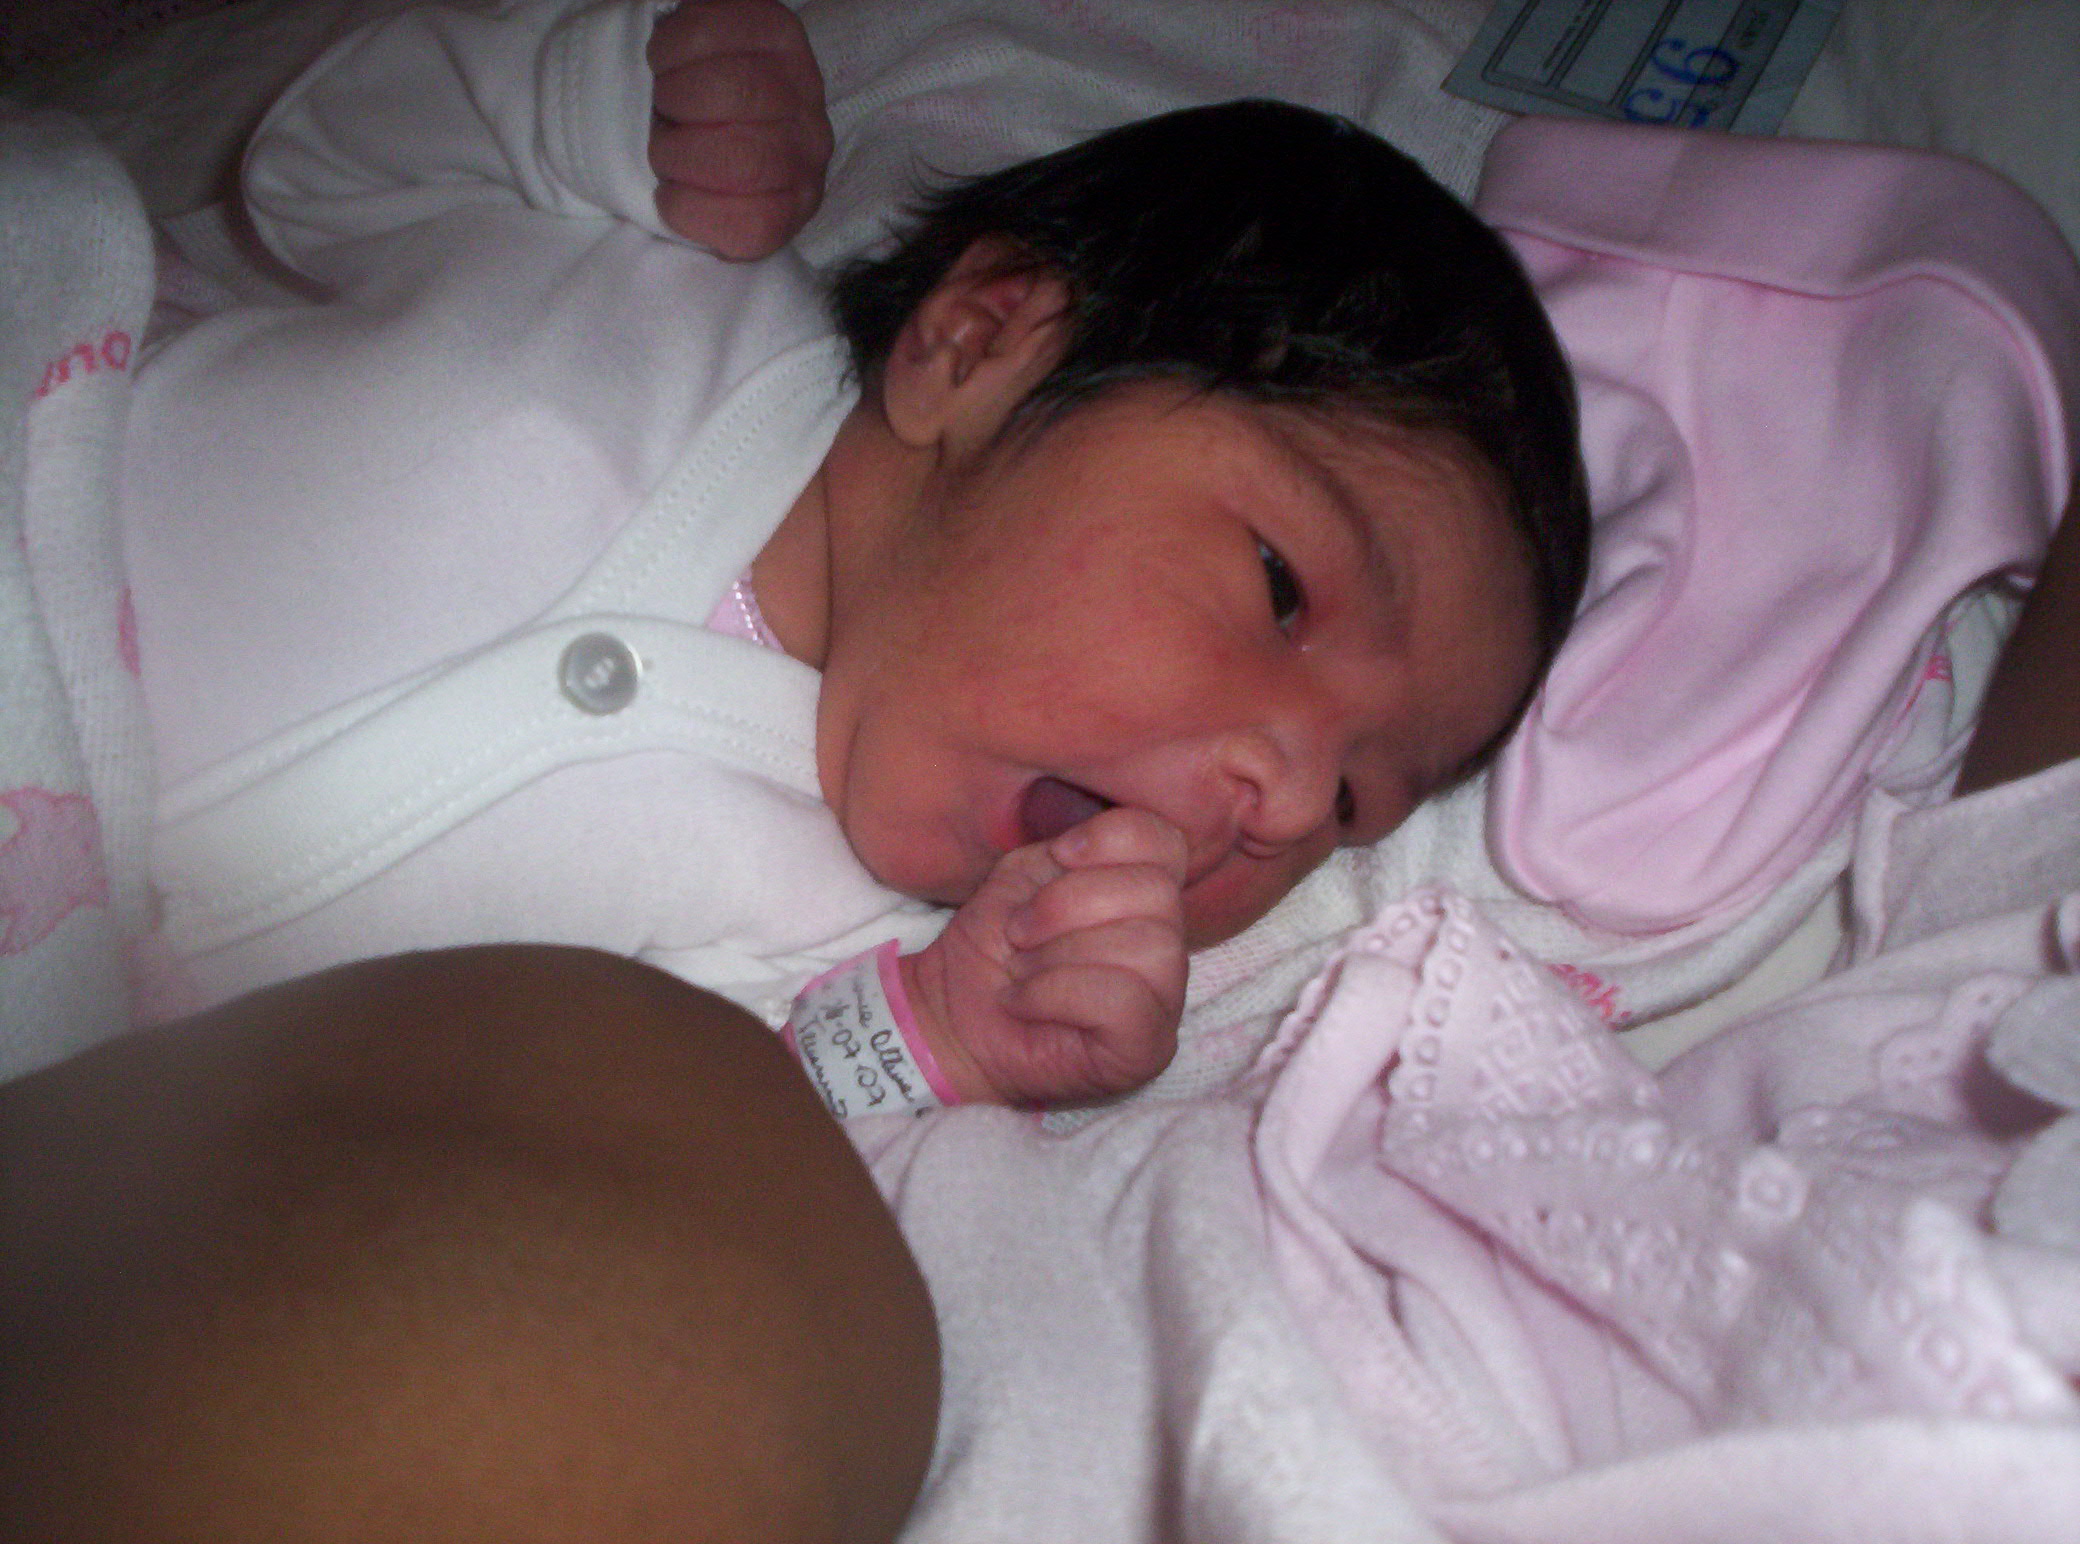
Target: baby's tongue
pixel 1051 806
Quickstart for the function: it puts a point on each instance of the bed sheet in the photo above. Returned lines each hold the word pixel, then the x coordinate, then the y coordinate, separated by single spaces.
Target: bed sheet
pixel 174 85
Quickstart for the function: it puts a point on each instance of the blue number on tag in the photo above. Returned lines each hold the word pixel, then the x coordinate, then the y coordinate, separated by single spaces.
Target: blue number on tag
pixel 1694 66
pixel 1706 67
pixel 1672 112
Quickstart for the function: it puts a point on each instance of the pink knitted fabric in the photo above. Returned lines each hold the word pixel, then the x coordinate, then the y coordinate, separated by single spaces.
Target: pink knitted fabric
pixel 1526 1257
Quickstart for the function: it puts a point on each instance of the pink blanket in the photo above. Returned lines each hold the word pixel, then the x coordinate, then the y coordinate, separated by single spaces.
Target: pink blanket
pixel 1806 438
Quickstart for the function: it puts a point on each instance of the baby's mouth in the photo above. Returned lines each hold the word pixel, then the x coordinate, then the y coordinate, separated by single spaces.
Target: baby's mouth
pixel 1050 806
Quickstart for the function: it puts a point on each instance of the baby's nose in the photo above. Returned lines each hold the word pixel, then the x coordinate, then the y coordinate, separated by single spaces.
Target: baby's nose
pixel 1285 779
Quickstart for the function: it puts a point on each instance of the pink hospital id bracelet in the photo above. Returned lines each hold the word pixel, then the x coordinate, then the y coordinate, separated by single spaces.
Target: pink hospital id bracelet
pixel 854 1033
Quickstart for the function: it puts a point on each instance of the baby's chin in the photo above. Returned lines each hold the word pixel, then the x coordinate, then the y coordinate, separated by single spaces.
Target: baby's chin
pixel 1214 913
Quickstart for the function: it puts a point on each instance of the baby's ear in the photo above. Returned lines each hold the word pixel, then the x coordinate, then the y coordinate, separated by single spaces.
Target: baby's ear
pixel 985 336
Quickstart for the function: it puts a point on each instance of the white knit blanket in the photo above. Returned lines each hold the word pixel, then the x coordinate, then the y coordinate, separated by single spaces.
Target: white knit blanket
pixel 75 288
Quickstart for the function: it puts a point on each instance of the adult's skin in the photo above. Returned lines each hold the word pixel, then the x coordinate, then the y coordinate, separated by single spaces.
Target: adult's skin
pixel 2031 717
pixel 512 1244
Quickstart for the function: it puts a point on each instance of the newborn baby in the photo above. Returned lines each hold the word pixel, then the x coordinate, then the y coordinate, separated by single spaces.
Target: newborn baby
pixel 1166 512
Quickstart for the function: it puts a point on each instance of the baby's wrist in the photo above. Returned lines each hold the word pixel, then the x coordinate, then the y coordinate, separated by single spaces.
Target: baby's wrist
pixel 924 991
pixel 861 1041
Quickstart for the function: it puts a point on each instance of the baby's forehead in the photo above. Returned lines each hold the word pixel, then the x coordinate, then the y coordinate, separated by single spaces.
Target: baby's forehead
pixel 1354 469
pixel 1374 448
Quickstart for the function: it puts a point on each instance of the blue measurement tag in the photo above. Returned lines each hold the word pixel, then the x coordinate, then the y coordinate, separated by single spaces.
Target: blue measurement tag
pixel 1697 64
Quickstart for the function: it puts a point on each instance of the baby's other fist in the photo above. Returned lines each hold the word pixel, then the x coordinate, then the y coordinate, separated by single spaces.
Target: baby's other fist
pixel 739 137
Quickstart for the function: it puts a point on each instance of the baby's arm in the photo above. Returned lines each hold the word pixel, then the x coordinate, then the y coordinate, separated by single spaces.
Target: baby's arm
pixel 545 105
pixel 740 137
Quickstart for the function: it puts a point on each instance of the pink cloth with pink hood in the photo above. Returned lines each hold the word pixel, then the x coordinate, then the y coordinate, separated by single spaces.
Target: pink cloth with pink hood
pixel 1805 439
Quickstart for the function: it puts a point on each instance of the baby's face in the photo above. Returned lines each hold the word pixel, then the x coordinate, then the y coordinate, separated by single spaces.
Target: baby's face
pixel 1277 635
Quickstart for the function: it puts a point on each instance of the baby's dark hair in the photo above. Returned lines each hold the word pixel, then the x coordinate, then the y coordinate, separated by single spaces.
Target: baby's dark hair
pixel 1280 255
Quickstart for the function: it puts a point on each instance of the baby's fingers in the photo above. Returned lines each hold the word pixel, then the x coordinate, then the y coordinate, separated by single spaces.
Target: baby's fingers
pixel 1080 899
pixel 705 29
pixel 739 137
pixel 739 227
pixel 733 159
pixel 740 189
pixel 1093 1029
pixel 1123 835
pixel 1152 948
pixel 735 88
pixel 1118 983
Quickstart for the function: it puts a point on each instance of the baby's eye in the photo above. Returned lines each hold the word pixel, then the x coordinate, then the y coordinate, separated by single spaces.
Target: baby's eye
pixel 1346 805
pixel 1286 596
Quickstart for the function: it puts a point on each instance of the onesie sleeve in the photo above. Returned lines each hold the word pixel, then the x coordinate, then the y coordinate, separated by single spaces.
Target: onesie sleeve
pixel 537 104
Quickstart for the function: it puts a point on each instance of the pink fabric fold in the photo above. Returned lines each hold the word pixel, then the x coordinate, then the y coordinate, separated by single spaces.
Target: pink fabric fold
pixel 1535 1268
pixel 1806 438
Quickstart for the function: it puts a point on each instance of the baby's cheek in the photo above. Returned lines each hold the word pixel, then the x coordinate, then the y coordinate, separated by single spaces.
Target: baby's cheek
pixel 1240 891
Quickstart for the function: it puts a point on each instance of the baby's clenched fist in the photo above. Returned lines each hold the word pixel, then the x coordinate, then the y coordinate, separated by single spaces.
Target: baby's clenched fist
pixel 1063 976
pixel 739 136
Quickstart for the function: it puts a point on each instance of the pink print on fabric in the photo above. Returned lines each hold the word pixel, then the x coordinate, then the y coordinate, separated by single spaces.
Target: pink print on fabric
pixel 1938 671
pixel 50 867
pixel 1599 994
pixel 110 352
